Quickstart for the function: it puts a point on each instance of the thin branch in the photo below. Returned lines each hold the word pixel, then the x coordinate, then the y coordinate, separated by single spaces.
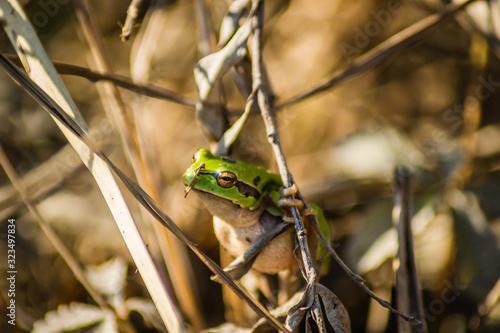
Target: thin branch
pixel 356 278
pixel 121 81
pixel 359 281
pixel 381 52
pixel 132 14
pixel 273 137
pixel 408 295
pixel 149 90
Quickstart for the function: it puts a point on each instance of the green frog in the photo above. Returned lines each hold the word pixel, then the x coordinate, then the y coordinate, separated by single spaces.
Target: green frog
pixel 246 203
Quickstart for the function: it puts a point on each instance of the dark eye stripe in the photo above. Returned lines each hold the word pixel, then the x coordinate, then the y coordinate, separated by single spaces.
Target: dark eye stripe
pixel 244 189
pixel 247 191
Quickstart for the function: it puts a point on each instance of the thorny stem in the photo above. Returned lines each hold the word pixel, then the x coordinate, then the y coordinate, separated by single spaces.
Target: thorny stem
pixel 273 137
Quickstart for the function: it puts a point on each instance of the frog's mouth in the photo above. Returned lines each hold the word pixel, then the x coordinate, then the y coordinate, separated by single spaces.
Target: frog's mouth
pixel 229 211
pixel 210 198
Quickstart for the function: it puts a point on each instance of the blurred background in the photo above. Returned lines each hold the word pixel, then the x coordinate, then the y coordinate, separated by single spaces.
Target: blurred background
pixel 432 106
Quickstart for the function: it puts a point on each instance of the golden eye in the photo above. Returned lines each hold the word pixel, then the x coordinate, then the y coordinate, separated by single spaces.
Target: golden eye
pixel 226 179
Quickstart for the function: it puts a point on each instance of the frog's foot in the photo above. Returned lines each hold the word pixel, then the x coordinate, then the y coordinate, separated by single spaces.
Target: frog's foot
pixel 308 211
pixel 288 191
pixel 285 204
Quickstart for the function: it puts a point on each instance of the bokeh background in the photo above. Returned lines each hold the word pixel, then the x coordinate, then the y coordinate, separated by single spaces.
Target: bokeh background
pixel 432 106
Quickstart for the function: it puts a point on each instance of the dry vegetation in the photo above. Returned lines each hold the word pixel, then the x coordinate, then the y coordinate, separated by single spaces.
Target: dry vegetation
pixel 432 106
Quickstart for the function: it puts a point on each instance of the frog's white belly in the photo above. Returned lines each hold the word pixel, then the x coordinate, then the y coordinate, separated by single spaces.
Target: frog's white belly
pixel 275 257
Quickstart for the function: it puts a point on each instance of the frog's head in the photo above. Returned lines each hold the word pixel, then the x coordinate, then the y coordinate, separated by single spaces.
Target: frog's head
pixel 242 183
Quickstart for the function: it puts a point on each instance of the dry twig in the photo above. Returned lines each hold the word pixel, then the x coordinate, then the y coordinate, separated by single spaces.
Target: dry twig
pixel 273 137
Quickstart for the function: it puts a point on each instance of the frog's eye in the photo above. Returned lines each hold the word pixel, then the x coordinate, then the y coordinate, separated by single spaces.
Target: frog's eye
pixel 226 179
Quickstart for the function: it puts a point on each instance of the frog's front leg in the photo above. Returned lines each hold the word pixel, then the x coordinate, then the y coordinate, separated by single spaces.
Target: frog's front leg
pixel 285 203
pixel 241 265
pixel 276 256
